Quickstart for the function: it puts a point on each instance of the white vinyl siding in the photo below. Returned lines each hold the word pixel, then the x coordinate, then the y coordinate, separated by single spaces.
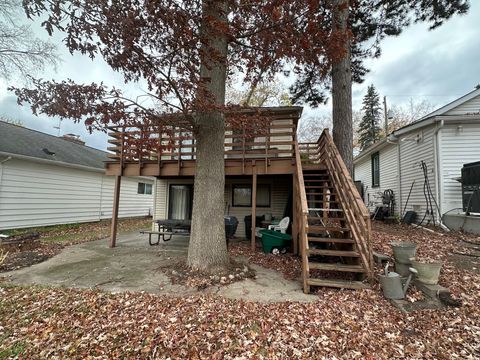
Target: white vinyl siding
pixel 131 203
pixel 279 197
pixel 459 145
pixel 411 154
pixel 471 106
pixel 35 194
pixel 388 176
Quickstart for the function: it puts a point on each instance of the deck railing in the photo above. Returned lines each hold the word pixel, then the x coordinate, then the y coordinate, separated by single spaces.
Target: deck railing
pixel 357 215
pixel 155 143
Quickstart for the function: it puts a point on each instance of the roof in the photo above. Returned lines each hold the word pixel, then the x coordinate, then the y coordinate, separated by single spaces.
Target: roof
pixel 444 109
pixel 18 140
pixel 423 121
pixel 371 149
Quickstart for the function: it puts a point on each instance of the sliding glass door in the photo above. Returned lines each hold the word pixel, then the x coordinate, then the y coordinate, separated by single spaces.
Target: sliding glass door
pixel 180 202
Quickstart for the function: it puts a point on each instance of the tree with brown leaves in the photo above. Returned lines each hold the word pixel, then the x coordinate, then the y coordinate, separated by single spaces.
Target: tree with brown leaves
pixel 185 51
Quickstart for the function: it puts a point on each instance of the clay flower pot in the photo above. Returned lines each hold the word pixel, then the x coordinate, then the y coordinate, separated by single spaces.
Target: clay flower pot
pixel 428 272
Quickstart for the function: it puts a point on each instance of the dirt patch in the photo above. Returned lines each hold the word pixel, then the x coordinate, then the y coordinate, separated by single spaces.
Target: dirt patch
pixel 26 254
pixel 180 273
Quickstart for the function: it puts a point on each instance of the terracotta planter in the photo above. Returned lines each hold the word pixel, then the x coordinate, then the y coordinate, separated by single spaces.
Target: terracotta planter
pixel 403 251
pixel 428 273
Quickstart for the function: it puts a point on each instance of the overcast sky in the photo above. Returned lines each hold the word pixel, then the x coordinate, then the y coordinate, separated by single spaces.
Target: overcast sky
pixel 438 66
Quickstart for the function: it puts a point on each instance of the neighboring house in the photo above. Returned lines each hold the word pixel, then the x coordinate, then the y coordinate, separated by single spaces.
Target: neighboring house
pixel 443 140
pixel 47 180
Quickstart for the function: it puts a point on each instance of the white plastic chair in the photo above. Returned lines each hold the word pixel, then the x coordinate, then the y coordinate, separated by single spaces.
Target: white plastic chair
pixel 282 225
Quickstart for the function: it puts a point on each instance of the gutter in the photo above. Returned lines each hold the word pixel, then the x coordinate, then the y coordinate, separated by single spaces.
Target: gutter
pixel 392 139
pixel 51 162
pixel 440 123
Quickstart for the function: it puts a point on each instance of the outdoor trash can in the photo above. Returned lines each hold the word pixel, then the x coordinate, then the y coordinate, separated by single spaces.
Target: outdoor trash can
pixel 248 224
pixel 274 241
pixel 231 224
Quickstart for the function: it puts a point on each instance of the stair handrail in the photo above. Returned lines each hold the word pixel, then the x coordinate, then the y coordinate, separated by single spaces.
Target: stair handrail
pixel 356 213
pixel 301 213
pixel 361 224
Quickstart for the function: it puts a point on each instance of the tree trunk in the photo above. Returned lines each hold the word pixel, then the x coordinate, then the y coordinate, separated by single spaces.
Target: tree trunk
pixel 208 249
pixel 342 89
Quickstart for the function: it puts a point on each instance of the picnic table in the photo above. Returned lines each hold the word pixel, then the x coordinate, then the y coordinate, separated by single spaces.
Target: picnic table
pixel 167 228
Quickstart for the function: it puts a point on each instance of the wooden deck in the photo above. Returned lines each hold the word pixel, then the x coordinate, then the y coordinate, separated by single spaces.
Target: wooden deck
pixel 166 151
pixel 330 225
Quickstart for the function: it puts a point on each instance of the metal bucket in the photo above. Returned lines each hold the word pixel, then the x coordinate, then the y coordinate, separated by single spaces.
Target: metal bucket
pixel 403 251
pixel 392 285
pixel 402 269
pixel 427 273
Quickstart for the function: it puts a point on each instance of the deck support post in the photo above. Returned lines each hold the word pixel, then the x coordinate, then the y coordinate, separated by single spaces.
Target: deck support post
pixel 116 203
pixel 295 217
pixel 254 205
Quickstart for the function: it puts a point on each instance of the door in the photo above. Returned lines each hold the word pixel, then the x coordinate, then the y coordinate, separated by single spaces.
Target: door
pixel 180 202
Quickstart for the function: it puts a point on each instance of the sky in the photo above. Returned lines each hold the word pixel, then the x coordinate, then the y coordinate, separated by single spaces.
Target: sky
pixel 438 66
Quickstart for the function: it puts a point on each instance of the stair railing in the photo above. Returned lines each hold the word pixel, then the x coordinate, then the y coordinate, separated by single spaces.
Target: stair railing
pixel 301 216
pixel 356 213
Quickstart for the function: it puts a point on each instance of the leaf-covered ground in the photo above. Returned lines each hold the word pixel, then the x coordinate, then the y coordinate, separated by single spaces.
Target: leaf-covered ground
pixel 38 323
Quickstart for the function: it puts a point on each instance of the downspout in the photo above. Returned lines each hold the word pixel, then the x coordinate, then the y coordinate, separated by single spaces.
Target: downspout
pixel 1 167
pixel 397 142
pixel 438 171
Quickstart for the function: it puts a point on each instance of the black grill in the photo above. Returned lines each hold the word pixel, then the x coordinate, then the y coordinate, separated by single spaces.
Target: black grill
pixel 471 187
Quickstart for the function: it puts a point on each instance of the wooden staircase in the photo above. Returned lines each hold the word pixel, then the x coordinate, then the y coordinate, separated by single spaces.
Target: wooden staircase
pixel 333 223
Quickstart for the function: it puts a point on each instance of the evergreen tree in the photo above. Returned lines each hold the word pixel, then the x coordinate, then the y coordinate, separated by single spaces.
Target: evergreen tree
pixel 369 127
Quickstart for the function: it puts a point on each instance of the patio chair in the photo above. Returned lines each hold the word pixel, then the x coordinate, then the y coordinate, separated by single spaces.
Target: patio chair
pixel 282 225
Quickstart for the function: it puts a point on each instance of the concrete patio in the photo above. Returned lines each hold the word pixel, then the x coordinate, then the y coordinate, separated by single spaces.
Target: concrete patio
pixel 134 266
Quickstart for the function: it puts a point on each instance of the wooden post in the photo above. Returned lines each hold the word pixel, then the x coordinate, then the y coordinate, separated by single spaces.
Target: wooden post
pixel 116 202
pixel 254 205
pixel 295 216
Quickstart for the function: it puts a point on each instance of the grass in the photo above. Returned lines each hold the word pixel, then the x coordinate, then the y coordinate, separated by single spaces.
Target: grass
pixel 81 232
pixel 13 351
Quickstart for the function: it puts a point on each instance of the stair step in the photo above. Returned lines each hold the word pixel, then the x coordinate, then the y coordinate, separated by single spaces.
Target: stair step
pixel 320 172
pixel 343 284
pixel 316 167
pixel 315 187
pixel 315 193
pixel 320 218
pixel 323 209
pixel 321 201
pixel 330 240
pixel 314 180
pixel 314 228
pixel 326 252
pixel 336 267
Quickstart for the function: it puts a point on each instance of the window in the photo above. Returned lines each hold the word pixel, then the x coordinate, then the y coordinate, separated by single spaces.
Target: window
pixel 242 195
pixel 376 170
pixel 144 188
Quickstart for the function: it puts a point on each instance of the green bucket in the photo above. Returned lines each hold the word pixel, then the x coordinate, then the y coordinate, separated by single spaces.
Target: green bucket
pixel 274 242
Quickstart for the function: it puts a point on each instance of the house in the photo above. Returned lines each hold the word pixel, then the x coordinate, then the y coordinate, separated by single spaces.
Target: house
pixel 266 172
pixel 422 162
pixel 48 180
